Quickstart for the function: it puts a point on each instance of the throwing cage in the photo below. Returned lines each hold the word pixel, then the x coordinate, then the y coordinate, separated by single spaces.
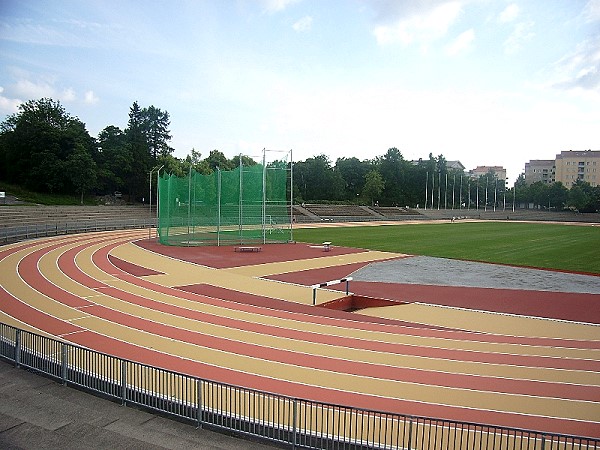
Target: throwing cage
pixel 248 205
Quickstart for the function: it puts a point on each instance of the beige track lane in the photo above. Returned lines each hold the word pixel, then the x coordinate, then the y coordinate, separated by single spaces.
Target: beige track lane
pixel 522 404
pixel 263 270
pixel 490 322
pixel 577 410
pixel 14 284
pixel 449 343
pixel 316 349
pixel 50 307
pixel 182 273
pixel 84 262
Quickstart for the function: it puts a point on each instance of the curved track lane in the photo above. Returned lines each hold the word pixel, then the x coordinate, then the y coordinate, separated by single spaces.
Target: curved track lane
pixel 70 287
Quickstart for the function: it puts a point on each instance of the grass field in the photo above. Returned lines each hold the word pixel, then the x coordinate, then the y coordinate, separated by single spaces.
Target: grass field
pixel 551 246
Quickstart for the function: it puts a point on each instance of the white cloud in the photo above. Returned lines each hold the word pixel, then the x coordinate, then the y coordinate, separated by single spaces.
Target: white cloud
pixel 303 24
pixel 509 13
pixel 462 43
pixel 90 98
pixel 592 11
pixel 424 25
pixel 273 6
pixel 30 90
pixel 8 105
pixel 581 68
pixel 25 88
pixel 522 33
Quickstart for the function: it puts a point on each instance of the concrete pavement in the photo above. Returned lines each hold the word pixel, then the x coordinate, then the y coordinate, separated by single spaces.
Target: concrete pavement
pixel 39 413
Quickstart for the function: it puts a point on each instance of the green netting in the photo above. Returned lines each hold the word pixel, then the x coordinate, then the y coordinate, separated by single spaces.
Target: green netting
pixel 248 205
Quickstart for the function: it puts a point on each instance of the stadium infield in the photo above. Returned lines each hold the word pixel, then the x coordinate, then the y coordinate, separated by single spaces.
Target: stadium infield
pixel 454 352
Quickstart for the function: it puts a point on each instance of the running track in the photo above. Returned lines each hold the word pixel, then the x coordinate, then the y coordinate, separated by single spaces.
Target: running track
pixel 220 317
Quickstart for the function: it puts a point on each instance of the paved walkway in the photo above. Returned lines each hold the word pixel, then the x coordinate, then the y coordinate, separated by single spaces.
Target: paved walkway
pixel 38 413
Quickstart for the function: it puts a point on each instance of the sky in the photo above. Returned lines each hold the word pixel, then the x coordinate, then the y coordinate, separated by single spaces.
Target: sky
pixel 484 82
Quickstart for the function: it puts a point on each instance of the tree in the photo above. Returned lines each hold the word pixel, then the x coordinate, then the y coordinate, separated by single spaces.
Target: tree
pixel 584 197
pixel 353 173
pixel 558 195
pixel 82 169
pixel 114 160
pixel 316 179
pixel 217 158
pixel 156 128
pixel 36 144
pixel 373 186
pixel 139 150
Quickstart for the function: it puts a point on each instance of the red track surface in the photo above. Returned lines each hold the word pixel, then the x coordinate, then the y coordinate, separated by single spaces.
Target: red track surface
pixel 130 276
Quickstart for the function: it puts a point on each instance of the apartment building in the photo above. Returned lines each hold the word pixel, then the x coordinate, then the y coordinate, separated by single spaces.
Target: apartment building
pixel 573 165
pixel 540 170
pixel 484 170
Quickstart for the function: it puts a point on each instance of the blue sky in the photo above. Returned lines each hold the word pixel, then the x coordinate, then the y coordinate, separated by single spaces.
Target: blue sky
pixel 486 82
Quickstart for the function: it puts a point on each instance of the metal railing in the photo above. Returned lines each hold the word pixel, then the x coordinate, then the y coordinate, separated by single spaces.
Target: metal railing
pixel 292 422
pixel 23 232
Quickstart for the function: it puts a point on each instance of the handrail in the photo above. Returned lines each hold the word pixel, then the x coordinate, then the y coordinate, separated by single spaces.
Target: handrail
pixel 293 422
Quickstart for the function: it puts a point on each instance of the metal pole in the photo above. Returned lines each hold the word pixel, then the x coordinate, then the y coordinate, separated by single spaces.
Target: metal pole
pixel 514 194
pixel 446 193
pixel 495 190
pixel 460 194
pixel 218 207
pixel 486 192
pixel 426 183
pixel 189 205
pixel 240 213
pixel 264 197
pixel 157 195
pixel 17 348
pixel 291 196
pixel 150 204
pixel 453 189
pixel 439 188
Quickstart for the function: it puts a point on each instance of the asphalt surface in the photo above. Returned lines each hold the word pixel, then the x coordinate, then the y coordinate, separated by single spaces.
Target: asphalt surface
pixel 39 413
pixel 448 272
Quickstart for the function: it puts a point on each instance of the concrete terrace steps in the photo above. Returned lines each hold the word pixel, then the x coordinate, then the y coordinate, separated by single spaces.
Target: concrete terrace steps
pixel 12 216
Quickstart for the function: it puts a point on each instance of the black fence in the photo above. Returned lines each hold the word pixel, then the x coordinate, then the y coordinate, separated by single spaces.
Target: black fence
pixel 291 422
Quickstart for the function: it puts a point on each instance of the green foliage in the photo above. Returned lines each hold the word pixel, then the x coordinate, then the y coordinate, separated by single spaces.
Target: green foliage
pixel 374 186
pixel 551 246
pixel 35 198
pixel 37 143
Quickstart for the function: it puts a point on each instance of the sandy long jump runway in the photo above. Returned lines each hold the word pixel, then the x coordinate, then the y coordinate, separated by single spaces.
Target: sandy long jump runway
pixel 247 319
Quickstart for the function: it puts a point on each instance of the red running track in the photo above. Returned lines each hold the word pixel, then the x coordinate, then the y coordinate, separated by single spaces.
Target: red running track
pixel 28 270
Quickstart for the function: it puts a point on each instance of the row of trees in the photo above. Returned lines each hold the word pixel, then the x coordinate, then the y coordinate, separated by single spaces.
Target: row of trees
pixel 45 149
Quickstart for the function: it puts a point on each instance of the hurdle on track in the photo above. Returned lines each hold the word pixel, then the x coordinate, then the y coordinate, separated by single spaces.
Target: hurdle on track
pixel 314 287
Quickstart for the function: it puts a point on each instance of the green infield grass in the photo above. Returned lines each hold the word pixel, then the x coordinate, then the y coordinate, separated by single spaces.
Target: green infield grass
pixel 551 246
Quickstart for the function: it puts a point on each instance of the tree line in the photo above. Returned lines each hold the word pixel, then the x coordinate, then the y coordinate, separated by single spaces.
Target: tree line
pixel 45 149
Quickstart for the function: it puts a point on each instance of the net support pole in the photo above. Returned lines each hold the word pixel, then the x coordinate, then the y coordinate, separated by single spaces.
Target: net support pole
pixel 189 206
pixel 241 199
pixel 218 207
pixel 264 197
pixel 291 196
